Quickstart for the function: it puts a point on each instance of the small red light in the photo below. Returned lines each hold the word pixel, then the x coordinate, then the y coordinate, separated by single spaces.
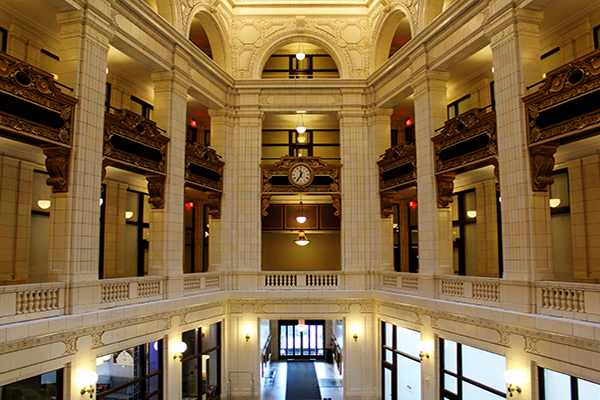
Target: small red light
pixel 409 122
pixel 189 204
pixel 413 204
pixel 193 123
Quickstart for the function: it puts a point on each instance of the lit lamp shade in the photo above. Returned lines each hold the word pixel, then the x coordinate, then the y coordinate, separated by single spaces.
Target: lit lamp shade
pixel 554 203
pixel 300 56
pixel 44 204
pixel 88 378
pixel 301 219
pixel 302 240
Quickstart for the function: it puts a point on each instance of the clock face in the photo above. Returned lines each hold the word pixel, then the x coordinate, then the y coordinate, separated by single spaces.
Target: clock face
pixel 301 175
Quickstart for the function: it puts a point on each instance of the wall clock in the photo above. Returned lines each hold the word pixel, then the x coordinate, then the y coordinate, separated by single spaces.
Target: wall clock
pixel 301 175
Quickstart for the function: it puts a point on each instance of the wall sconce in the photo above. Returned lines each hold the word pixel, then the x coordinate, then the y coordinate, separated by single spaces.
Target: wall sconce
pixel 178 350
pixel 513 379
pixel 45 204
pixel 88 379
pixel 247 331
pixel 424 349
pixel 355 331
pixel 553 203
pixel 471 214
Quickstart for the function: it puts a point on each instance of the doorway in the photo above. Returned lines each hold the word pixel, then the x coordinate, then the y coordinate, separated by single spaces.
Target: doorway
pixel 301 339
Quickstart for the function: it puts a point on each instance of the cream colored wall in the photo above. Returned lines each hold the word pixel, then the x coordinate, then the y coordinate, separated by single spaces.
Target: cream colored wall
pixel 280 253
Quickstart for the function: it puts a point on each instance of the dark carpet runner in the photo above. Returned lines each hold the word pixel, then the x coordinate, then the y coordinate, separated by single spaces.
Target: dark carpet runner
pixel 302 383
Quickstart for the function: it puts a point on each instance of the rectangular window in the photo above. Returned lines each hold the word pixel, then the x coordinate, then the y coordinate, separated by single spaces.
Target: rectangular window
pixel 107 97
pixel 324 143
pixel 464 232
pixel 201 363
pixel 459 106
pixel 463 377
pixel 597 37
pixel 142 108
pixel 560 217
pixel 49 62
pixel 132 373
pixel 3 39
pixel 401 362
pixel 551 60
pixel 137 232
pixel 48 386
pixel 557 386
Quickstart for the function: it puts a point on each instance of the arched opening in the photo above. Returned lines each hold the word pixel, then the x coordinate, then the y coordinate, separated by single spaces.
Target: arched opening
pixel 199 37
pixel 206 35
pixel 401 36
pixel 316 64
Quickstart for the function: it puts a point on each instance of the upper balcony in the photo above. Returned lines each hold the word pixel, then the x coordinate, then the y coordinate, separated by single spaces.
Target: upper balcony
pixel 34 110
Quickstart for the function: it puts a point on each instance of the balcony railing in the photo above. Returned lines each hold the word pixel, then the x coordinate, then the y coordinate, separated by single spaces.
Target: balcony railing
pixel 204 171
pixel 558 299
pixel 397 170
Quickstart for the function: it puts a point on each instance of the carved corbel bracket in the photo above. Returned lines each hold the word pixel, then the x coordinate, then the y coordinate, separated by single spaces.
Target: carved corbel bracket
pixel 496 173
pixel 445 187
pixel 542 163
pixel 214 204
pixel 265 202
pixel 337 204
pixel 387 202
pixel 156 189
pixel 57 164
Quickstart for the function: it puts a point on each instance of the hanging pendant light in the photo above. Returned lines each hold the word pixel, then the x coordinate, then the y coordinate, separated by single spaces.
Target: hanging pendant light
pixel 302 240
pixel 300 128
pixel 300 55
pixel 301 218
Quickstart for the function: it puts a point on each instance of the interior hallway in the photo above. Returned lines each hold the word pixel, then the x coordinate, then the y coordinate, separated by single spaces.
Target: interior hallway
pixel 330 381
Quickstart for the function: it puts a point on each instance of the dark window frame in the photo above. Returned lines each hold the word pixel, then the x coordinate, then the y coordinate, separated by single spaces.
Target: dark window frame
pixel 60 384
pixel 461 222
pixel 143 244
pixel 561 209
pixel 596 33
pixel 4 42
pixel 460 378
pixel 287 323
pixel 140 365
pixel 146 107
pixel 199 351
pixel 293 146
pixel 392 366
pixel 454 106
pixel 294 72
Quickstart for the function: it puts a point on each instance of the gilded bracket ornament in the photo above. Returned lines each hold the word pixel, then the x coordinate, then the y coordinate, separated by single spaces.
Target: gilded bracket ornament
pixel 265 202
pixel 214 204
pixel 445 186
pixel 57 164
pixel 387 202
pixel 542 163
pixel 337 204
pixel 156 189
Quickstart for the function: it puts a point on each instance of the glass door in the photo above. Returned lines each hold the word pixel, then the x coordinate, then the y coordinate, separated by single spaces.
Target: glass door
pixel 301 339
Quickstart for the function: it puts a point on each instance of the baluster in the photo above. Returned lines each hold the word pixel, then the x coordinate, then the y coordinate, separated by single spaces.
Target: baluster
pixel 570 300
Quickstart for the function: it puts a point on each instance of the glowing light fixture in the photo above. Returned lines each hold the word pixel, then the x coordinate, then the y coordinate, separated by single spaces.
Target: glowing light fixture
pixel 553 203
pixel 128 214
pixel 301 218
pixel 300 55
pixel 247 331
pixel 302 240
pixel 302 327
pixel 409 122
pixel 471 214
pixel 193 123
pixel 300 128
pixel 355 330
pixel 44 204
pixel 88 379
pixel 178 350
pixel 513 379
pixel 424 349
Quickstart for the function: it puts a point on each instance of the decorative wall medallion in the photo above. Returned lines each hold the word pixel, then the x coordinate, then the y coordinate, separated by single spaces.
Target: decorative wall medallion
pixel 531 345
pixel 236 308
pixel 168 324
pixel 182 320
pixel 344 307
pixel 97 339
pixel 70 346
pixel 434 321
pixel 366 307
pixel 504 338
pixel 258 308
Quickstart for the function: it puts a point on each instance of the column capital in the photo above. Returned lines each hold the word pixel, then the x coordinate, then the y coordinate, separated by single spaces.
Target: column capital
pixel 428 80
pixel 502 25
pixel 351 116
pixel 97 27
pixel 171 81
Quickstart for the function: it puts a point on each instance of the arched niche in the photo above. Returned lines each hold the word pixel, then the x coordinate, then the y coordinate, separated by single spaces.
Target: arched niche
pixel 395 31
pixel 316 64
pixel 205 33
pixel 265 53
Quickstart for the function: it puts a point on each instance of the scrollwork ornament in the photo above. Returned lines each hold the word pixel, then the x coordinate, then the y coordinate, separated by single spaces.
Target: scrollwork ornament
pixel 97 339
pixel 70 346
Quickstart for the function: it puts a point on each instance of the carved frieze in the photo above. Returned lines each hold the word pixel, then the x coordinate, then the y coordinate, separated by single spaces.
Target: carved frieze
pixel 32 108
pixel 397 166
pixel 204 167
pixel 565 108
pixel 134 142
pixel 466 142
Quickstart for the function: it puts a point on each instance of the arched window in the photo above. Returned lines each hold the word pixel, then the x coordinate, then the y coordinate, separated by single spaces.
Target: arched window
pixel 401 36
pixel 199 37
